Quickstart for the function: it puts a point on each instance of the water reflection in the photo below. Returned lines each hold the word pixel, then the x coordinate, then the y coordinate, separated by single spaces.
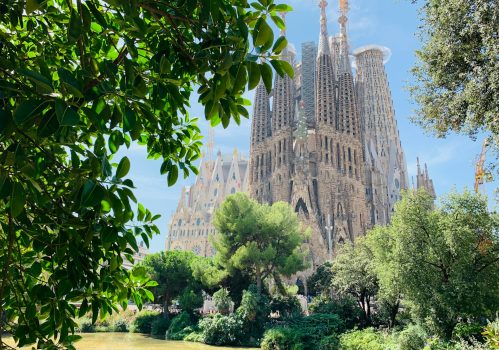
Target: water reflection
pixel 134 341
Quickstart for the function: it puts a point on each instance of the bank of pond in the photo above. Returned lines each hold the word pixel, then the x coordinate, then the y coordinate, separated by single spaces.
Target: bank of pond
pixel 134 341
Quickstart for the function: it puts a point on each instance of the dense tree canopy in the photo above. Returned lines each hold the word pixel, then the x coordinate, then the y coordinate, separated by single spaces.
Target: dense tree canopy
pixel 444 260
pixel 262 240
pixel 173 273
pixel 353 274
pixel 78 81
pixel 457 74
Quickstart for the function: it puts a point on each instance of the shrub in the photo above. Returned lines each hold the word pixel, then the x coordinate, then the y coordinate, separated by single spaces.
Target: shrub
pixel 190 300
pixel 330 342
pixel 196 337
pixel 467 331
pixel 222 330
pixel 159 327
pixel 366 339
pixel 180 327
pixel 144 320
pixel 254 311
pixel 288 306
pixel 314 328
pixel 222 301
pixel 85 325
pixel 491 334
pixel 345 307
pixel 120 325
pixel 281 338
pixel 412 338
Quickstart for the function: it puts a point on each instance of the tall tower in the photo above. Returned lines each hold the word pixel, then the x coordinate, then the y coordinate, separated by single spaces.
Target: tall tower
pixel 309 57
pixel 324 79
pixel 260 157
pixel 423 180
pixel 281 143
pixel 386 169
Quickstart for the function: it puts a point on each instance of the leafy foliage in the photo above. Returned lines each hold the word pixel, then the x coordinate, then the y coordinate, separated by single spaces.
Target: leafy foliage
pixel 180 326
pixel 445 259
pixel 457 73
pixel 144 320
pixel 222 330
pixel 367 339
pixel 173 273
pixel 346 307
pixel 353 274
pixel 260 239
pixel 321 280
pixel 190 300
pixel 287 306
pixel 159 327
pixel 491 334
pixel 281 338
pixel 254 311
pixel 80 80
pixel 314 328
pixel 222 301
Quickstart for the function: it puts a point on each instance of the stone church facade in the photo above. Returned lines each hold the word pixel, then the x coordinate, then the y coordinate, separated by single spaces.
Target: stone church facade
pixel 191 224
pixel 328 144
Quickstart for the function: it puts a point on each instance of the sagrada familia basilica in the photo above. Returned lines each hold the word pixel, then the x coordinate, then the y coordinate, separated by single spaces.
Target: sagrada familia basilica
pixel 326 142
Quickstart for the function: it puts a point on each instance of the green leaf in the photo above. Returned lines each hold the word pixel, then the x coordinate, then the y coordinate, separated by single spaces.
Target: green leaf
pixel 148 294
pixel 66 115
pixel 288 68
pixel 262 32
pixel 17 199
pixel 278 22
pixel 266 72
pixel 98 16
pixel 28 110
pixel 240 80
pixel 277 66
pixel 253 74
pixel 41 82
pixel 283 8
pixel 129 119
pixel 69 82
pixel 139 86
pixel 123 168
pixel 33 5
pixel 75 26
pixel 172 175
pixel 141 212
pixel 280 44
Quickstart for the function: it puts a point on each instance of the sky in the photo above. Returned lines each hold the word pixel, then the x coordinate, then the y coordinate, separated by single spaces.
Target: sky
pixel 390 23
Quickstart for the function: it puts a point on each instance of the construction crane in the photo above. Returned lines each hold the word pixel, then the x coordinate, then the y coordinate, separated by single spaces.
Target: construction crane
pixel 479 167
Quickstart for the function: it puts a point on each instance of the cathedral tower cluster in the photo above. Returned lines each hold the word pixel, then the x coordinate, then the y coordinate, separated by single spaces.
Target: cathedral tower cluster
pixel 329 145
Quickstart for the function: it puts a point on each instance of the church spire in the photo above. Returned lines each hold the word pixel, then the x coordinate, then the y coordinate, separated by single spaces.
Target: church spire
pixel 324 88
pixel 323 38
pixel 344 58
pixel 282 109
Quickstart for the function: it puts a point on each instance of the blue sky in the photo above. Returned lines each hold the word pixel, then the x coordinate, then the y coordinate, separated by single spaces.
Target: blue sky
pixel 391 23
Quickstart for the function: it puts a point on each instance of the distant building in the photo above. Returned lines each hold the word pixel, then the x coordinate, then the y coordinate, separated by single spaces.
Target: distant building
pixel 423 181
pixel 137 257
pixel 191 224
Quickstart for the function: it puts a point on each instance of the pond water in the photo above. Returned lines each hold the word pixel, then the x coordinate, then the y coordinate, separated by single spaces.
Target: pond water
pixel 134 341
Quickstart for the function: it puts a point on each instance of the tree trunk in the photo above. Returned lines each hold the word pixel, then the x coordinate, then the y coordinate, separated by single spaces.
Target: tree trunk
pixel 393 314
pixel 258 276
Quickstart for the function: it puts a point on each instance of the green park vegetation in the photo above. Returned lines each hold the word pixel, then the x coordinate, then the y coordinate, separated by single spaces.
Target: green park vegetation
pixel 429 280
